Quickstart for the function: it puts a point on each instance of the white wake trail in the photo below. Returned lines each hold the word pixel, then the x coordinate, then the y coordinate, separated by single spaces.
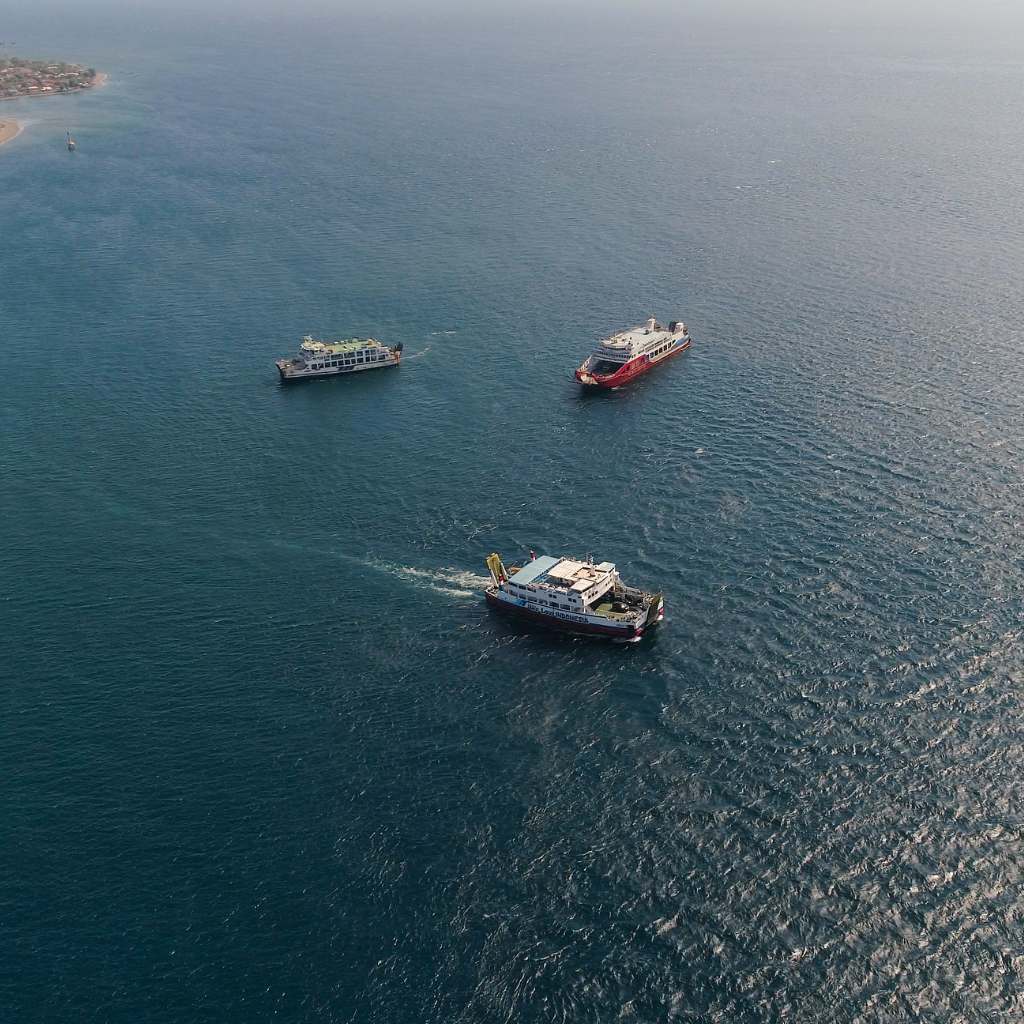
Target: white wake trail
pixel 449 581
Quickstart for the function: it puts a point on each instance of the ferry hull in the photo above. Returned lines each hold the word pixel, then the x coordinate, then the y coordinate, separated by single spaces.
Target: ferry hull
pixel 624 632
pixel 630 371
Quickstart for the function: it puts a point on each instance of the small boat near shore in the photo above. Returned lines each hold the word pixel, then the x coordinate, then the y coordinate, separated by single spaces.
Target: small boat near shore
pixel 574 596
pixel 331 358
pixel 622 357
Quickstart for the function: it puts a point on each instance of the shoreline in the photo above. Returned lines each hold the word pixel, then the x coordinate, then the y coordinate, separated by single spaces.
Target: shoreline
pixel 10 130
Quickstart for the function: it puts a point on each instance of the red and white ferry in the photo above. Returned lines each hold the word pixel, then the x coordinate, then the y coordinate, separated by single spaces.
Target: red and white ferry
pixel 579 597
pixel 623 356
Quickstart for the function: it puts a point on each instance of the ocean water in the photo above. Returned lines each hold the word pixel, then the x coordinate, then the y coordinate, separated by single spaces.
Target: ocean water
pixel 266 754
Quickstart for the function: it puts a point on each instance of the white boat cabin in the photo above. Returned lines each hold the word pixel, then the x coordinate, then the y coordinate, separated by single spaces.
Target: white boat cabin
pixel 561 584
pixel 350 354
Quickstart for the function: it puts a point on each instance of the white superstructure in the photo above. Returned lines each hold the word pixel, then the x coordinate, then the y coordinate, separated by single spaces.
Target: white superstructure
pixel 649 339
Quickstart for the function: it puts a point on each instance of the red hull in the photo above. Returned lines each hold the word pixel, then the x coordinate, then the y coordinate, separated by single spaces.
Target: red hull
pixel 590 629
pixel 630 371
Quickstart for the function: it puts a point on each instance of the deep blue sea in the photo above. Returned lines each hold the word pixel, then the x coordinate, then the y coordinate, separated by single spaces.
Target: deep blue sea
pixel 266 754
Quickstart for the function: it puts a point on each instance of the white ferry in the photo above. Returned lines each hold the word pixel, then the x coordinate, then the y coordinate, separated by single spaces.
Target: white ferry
pixel 623 356
pixel 329 358
pixel 579 597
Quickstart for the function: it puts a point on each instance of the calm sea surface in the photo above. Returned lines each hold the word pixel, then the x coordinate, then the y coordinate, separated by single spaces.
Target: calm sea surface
pixel 266 754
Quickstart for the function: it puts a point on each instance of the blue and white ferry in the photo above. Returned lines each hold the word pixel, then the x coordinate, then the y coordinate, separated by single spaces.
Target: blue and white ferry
pixel 576 596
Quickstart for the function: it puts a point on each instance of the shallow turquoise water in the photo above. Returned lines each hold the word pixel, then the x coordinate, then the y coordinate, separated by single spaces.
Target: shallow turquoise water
pixel 266 751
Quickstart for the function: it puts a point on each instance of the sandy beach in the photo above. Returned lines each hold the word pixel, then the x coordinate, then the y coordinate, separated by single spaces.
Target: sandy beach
pixel 8 130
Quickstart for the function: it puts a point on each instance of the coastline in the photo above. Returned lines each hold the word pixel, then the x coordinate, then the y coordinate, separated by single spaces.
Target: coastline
pixel 9 130
pixel 97 83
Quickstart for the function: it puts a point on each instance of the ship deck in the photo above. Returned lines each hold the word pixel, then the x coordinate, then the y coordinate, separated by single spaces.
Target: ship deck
pixel 636 337
pixel 344 346
pixel 605 610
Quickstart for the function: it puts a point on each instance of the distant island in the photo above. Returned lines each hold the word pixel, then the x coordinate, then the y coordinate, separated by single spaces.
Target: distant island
pixel 20 77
